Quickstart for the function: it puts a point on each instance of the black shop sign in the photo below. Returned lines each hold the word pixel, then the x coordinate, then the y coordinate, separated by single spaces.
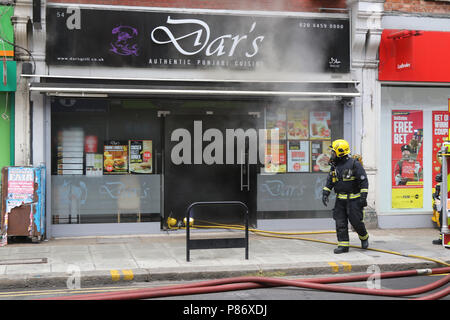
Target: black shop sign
pixel 86 37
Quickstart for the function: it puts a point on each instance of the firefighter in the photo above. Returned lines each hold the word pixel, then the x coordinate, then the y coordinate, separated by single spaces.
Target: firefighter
pixel 349 180
pixel 437 208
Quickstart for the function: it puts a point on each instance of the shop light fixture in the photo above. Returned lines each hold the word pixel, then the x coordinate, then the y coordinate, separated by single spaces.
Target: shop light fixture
pixel 77 94
pixel 104 92
pixel 315 99
pixel 184 80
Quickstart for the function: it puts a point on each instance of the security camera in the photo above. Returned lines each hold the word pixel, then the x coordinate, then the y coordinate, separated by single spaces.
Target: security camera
pixel 349 103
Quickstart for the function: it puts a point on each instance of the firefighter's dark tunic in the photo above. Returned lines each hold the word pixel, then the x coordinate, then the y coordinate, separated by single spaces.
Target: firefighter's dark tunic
pixel 349 180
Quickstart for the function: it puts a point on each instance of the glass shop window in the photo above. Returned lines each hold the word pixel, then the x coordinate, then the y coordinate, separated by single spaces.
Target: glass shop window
pixel 298 139
pixel 104 161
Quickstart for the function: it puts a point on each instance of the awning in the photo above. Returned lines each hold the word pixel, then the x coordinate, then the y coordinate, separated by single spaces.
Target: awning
pixel 101 87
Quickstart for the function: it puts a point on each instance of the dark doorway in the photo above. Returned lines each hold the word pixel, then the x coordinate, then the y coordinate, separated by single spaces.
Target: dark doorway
pixel 198 181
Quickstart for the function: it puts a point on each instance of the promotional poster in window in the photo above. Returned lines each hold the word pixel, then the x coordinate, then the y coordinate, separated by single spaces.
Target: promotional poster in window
pixel 440 132
pixel 407 159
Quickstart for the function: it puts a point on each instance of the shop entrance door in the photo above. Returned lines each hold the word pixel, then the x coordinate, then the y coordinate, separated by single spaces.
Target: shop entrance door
pixel 200 176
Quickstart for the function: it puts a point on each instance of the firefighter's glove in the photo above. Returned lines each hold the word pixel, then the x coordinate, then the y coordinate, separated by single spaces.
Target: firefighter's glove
pixel 363 200
pixel 325 195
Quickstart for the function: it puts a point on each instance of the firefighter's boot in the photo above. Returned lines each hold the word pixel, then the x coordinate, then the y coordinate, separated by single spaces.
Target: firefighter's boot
pixel 364 241
pixel 438 241
pixel 340 249
pixel 365 244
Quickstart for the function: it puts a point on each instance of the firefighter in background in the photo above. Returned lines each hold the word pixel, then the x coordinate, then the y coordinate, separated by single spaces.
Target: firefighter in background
pixel 349 180
pixel 437 207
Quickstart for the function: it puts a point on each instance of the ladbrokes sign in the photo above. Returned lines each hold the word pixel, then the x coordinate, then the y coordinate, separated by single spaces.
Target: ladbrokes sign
pixel 182 40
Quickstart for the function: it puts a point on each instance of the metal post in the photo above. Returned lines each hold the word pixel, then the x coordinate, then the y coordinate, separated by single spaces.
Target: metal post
pixel 246 234
pixel 188 215
pixel 444 188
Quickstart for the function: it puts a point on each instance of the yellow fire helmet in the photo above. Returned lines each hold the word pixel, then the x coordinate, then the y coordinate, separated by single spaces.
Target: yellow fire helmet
pixel 341 147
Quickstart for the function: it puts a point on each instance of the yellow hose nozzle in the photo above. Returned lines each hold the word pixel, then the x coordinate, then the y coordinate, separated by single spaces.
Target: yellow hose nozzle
pixel 191 222
pixel 171 222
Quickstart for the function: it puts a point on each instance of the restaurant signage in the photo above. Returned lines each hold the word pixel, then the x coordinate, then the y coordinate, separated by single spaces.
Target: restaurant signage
pixel 85 37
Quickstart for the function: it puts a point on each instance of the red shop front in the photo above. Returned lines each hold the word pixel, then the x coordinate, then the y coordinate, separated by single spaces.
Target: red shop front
pixel 414 56
pixel 414 71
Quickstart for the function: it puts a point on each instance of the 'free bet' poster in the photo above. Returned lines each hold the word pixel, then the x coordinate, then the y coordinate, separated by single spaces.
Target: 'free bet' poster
pixel 407 159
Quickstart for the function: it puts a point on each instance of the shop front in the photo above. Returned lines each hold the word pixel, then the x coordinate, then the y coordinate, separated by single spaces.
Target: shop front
pixel 414 75
pixel 8 86
pixel 155 110
pixel 7 91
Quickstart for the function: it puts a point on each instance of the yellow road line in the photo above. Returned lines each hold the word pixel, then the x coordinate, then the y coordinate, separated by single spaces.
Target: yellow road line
pixel 334 266
pixel 347 266
pixel 67 292
pixel 115 275
pixel 127 275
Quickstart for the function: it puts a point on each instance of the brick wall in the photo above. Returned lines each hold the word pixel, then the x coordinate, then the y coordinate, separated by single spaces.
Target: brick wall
pixel 270 5
pixel 418 6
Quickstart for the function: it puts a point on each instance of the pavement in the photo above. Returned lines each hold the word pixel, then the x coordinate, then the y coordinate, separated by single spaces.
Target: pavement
pixel 162 257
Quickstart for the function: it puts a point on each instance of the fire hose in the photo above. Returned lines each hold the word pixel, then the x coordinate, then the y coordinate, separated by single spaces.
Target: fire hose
pixel 251 282
pixel 291 235
pixel 246 283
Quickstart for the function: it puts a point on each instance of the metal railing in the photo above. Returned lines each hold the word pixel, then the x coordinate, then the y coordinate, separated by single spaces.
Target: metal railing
pixel 216 243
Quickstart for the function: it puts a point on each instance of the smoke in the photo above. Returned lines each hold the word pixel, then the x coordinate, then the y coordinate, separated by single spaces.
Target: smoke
pixel 259 47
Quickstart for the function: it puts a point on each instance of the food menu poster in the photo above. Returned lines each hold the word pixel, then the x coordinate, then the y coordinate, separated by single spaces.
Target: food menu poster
pixel 140 156
pixel 303 140
pixel 320 156
pixel 275 158
pixel 90 144
pixel 298 124
pixel 115 157
pixel 94 164
pixel 70 151
pixel 440 132
pixel 298 156
pixel 407 159
pixel 320 124
pixel 276 120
